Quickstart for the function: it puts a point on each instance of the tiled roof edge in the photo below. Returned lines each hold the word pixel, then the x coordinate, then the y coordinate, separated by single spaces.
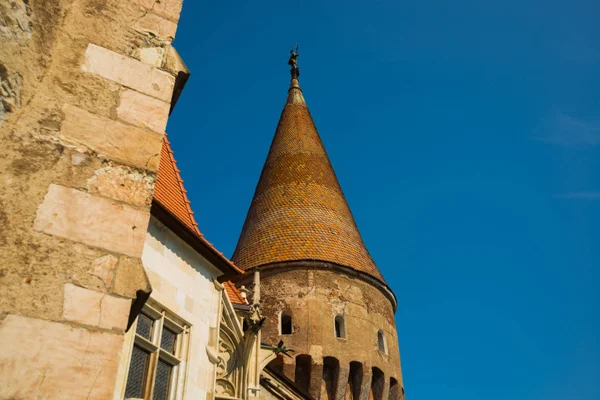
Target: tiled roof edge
pixel 191 225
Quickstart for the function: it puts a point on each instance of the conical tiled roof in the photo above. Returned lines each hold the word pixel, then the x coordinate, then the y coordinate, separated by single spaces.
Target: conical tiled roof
pixel 299 211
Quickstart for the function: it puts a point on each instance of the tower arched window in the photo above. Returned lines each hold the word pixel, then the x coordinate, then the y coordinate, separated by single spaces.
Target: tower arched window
pixel 381 343
pixel 340 326
pixel 285 323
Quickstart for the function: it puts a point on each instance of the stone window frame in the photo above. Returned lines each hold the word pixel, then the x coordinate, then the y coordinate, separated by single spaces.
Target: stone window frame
pixel 282 313
pixel 162 318
pixel 382 342
pixel 341 319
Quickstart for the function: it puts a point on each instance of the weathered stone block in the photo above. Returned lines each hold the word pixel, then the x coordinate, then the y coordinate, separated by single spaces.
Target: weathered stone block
pixel 123 184
pixel 143 110
pixel 130 277
pixel 148 4
pixel 167 8
pixel 92 220
pixel 49 360
pixel 128 72
pixel 93 308
pixel 103 267
pixel 157 26
pixel 114 139
pixel 154 56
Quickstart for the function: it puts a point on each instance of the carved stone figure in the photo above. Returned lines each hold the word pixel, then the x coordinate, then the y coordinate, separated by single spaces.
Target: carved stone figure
pixel 293 60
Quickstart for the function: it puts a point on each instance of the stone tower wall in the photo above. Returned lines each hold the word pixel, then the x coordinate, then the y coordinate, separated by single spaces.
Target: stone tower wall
pixel 314 297
pixel 85 92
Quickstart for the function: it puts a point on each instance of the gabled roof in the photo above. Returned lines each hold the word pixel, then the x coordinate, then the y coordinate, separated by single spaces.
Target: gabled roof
pixel 299 212
pixel 172 206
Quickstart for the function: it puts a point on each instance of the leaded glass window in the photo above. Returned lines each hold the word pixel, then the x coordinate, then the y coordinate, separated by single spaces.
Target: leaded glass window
pixel 167 340
pixel 144 326
pixel 138 370
pixel 162 381
pixel 156 355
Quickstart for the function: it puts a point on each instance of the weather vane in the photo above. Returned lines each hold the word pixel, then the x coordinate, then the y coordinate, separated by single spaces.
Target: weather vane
pixel 293 62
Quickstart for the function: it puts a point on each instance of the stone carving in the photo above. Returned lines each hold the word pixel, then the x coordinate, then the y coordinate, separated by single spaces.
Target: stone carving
pixel 225 388
pixel 232 353
pixel 228 362
pixel 228 354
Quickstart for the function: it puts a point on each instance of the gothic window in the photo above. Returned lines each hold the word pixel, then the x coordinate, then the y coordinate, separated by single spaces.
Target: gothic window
pixel 286 323
pixel 340 327
pixel 155 356
pixel 381 343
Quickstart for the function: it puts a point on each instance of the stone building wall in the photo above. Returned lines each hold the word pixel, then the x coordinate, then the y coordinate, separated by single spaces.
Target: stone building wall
pixel 85 93
pixel 322 362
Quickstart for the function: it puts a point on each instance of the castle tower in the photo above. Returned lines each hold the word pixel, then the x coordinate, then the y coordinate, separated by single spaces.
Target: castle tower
pixel 321 292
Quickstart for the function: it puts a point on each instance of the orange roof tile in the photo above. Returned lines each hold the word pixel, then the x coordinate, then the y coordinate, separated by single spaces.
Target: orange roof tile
pixel 170 194
pixel 299 211
pixel 234 294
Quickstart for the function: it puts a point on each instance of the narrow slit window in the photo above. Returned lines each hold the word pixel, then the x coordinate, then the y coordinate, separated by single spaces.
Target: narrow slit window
pixel 381 344
pixel 340 327
pixel 286 323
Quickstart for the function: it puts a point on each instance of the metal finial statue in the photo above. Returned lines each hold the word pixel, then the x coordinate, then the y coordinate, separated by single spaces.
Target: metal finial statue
pixel 293 62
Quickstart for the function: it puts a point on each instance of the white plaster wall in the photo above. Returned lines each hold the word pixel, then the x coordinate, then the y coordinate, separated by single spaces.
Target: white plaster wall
pixel 182 281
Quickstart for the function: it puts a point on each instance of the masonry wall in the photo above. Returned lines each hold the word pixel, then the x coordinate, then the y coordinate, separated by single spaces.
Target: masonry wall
pixel 314 297
pixel 85 92
pixel 182 282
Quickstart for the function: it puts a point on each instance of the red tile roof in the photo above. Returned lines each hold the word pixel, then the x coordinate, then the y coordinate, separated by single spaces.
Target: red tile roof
pixel 169 190
pixel 172 196
pixel 235 296
pixel 299 211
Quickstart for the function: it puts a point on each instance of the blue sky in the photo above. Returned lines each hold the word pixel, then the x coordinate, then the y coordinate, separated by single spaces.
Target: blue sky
pixel 466 137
